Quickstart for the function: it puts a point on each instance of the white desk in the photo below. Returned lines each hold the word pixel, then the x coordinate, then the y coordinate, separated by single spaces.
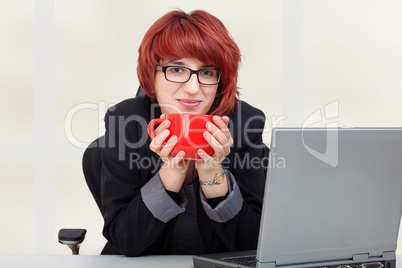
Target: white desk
pixel 94 261
pixel 97 261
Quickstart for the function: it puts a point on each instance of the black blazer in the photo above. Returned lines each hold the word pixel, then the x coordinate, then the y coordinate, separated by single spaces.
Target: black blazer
pixel 129 226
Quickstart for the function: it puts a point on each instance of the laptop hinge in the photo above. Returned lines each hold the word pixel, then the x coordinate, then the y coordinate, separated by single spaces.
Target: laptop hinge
pixel 266 265
pixel 389 255
pixel 361 257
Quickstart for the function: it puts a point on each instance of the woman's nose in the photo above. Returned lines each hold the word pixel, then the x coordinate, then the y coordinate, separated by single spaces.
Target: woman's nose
pixel 192 86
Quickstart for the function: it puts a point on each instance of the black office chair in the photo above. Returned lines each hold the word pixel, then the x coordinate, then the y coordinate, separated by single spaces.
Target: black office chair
pixel 91 166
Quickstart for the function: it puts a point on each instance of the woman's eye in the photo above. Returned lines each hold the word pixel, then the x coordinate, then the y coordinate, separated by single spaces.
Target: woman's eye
pixel 175 70
pixel 207 73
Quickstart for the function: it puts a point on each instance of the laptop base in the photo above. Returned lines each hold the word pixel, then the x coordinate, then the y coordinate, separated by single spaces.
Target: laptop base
pixel 205 262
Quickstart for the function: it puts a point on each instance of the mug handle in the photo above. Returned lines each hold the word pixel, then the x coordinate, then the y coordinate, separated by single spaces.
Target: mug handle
pixel 151 125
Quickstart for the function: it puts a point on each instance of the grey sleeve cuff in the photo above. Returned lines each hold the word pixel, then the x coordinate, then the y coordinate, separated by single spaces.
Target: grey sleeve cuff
pixel 158 201
pixel 228 208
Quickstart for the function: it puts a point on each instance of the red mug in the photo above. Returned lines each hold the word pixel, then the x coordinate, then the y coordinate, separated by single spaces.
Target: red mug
pixel 189 129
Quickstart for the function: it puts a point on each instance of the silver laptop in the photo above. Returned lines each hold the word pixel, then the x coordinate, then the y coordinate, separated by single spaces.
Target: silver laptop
pixel 333 199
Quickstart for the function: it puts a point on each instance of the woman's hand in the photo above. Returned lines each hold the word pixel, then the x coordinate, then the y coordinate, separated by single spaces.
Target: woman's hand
pixel 174 169
pixel 220 139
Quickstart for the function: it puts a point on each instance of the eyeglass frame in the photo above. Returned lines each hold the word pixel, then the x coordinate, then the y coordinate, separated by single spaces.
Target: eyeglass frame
pixel 163 69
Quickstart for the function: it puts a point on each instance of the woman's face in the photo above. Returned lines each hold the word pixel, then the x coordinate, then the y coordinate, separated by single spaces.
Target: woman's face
pixel 190 97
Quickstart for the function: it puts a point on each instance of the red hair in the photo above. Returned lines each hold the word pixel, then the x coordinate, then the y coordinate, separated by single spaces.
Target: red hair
pixel 198 35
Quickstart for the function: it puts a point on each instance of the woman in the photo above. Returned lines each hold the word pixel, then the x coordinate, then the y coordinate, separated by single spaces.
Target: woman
pixel 154 203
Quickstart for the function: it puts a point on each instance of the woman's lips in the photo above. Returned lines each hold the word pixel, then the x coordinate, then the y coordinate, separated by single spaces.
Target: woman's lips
pixel 189 103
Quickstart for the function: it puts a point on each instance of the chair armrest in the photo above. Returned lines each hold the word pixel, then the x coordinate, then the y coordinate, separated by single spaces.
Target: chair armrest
pixel 72 238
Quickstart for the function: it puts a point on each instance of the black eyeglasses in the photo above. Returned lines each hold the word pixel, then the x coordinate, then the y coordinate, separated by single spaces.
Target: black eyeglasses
pixel 180 74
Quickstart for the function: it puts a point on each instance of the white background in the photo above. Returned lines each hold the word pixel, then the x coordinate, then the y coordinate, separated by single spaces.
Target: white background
pixel 58 57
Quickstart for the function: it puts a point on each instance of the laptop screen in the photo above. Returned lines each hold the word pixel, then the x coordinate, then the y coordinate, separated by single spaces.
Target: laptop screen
pixel 331 194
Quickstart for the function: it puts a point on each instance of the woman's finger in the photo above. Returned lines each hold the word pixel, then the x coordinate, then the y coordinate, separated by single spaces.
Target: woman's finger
pixel 164 125
pixel 178 158
pixel 212 141
pixel 220 122
pixel 220 152
pixel 157 142
pixel 221 132
pixel 175 162
pixel 225 119
pixel 168 147
pixel 208 162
